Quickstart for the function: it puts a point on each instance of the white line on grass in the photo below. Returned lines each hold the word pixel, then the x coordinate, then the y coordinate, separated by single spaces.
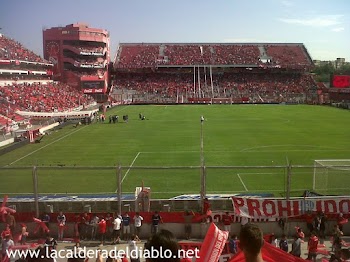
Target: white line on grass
pixel 59 139
pixel 316 148
pixel 132 163
pixel 246 189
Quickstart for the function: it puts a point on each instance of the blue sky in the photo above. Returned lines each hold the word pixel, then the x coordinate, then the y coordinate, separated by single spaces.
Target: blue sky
pixel 322 25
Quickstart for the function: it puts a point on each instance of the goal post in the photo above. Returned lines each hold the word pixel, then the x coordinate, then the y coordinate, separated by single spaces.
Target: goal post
pixel 331 176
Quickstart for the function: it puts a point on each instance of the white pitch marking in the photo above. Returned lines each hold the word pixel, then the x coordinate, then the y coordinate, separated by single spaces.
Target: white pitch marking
pixel 246 189
pixel 45 146
pixel 132 163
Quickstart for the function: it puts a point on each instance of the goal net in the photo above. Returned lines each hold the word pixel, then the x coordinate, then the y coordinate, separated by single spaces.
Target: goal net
pixel 332 176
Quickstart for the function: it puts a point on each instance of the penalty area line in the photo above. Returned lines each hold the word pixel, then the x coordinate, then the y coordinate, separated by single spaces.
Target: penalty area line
pixel 246 189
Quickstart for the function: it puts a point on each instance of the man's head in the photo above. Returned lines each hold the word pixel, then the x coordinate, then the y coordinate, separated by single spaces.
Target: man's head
pixel 163 240
pixel 251 239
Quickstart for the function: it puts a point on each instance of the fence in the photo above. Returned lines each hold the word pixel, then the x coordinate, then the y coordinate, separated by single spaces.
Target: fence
pixel 175 187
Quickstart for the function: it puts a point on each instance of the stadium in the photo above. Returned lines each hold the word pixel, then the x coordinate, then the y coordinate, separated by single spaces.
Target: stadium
pixel 163 126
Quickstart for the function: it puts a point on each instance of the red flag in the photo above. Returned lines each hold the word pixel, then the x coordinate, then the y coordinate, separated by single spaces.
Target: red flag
pixel 213 244
pixel 40 224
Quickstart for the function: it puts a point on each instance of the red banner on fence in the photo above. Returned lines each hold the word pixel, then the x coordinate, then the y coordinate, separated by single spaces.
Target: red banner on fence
pixel 274 208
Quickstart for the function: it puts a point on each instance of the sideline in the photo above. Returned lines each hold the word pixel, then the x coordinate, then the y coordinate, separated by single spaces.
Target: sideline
pixel 59 139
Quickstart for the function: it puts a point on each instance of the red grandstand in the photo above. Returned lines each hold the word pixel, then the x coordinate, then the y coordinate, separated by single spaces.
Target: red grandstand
pixel 26 86
pixel 80 55
pixel 213 73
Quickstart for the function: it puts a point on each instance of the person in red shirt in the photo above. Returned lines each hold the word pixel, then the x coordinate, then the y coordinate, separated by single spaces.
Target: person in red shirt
pixel 227 220
pixel 300 233
pixel 206 205
pixel 341 221
pixel 309 219
pixel 312 247
pixel 102 226
pixel 109 221
pixel 77 225
pixel 6 231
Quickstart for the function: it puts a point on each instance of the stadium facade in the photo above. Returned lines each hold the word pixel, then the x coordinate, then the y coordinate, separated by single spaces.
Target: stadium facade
pixel 80 55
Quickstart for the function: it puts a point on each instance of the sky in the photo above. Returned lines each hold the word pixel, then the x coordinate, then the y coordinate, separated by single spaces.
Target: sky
pixel 322 25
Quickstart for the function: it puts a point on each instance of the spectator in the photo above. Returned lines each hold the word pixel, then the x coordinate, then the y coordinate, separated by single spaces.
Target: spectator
pixel 137 223
pixel 116 230
pixel 126 226
pixel 250 242
pixel 312 247
pixel 6 244
pixel 284 243
pixel 11 221
pixel 50 242
pixel 24 234
pixel 296 246
pixel 163 240
pixel 77 223
pixel 341 220
pixel 46 219
pixel 300 233
pixel 6 231
pixel 134 252
pixel 61 220
pixel 309 221
pixel 102 226
pixel 232 244
pixel 227 220
pixel 206 206
pixel 85 226
pixel 94 225
pixel 109 221
pixel 156 219
pixel 188 216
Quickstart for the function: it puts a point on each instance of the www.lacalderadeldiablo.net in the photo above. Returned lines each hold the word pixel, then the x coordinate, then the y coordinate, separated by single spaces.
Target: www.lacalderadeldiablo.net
pixel 83 253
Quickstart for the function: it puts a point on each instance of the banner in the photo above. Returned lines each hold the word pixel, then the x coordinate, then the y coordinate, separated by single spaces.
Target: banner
pixel 213 244
pixel 274 208
pixel 341 81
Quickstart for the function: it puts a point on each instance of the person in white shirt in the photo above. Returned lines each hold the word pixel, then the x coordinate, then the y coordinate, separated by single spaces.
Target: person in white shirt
pixel 116 230
pixel 6 244
pixel 134 254
pixel 138 223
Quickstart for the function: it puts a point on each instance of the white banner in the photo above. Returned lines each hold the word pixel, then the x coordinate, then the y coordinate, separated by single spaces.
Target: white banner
pixel 274 208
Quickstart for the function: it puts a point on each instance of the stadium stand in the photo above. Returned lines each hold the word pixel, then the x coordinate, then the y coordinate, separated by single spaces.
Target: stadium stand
pixel 11 49
pixel 151 55
pixel 239 73
pixel 52 97
pixel 241 87
pixel 26 85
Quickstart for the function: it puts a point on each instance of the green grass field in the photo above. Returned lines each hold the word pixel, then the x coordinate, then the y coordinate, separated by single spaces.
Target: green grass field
pixel 234 135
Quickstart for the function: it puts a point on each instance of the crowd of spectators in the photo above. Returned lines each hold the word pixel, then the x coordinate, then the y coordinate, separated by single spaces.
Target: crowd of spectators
pixel 138 55
pixel 11 49
pixel 285 54
pixel 241 87
pixel 152 55
pixel 51 97
pixel 236 54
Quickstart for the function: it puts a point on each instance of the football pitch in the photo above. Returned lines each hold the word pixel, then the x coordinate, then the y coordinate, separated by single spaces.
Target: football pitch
pixel 84 159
